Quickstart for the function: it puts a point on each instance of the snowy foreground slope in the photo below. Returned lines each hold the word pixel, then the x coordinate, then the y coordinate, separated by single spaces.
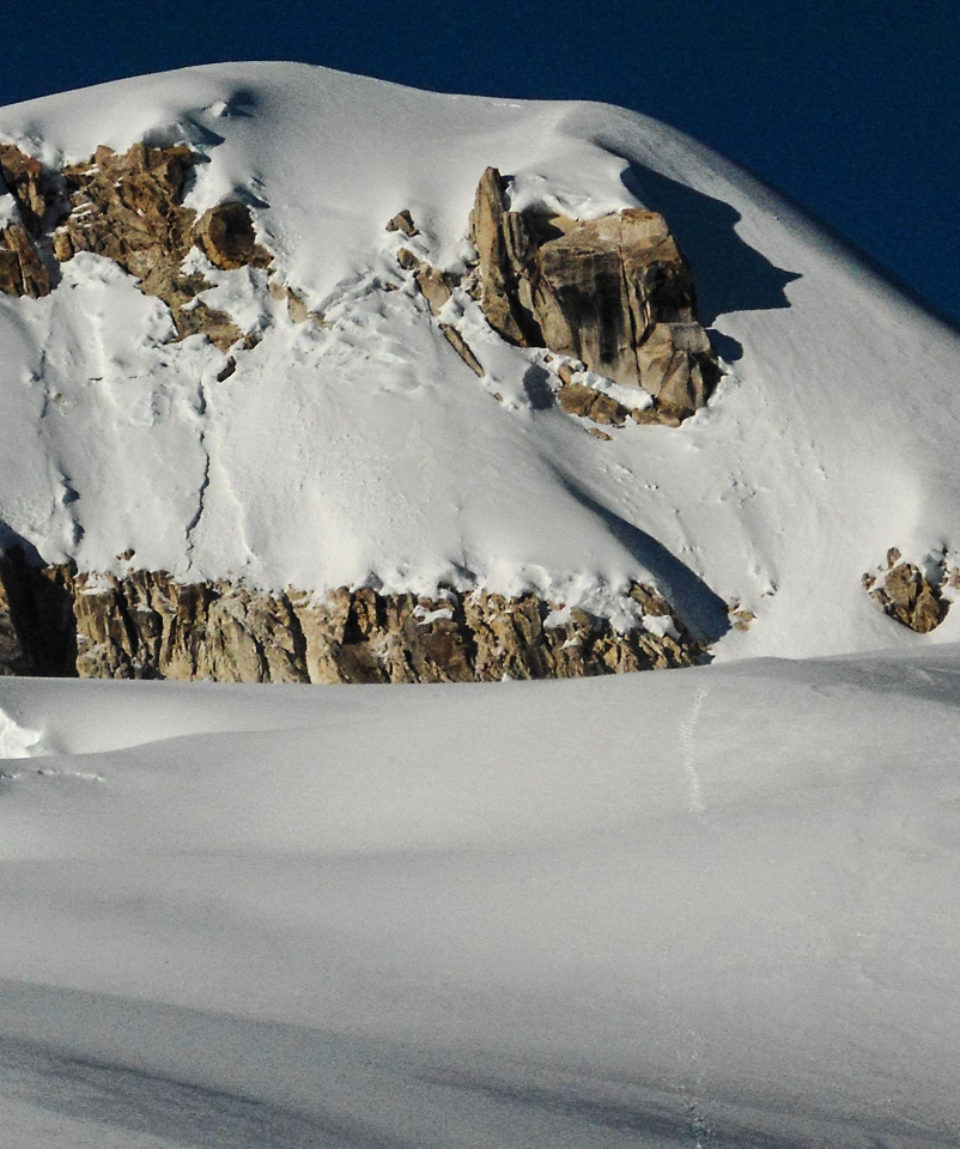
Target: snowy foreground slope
pixel 710 906
pixel 715 906
pixel 366 452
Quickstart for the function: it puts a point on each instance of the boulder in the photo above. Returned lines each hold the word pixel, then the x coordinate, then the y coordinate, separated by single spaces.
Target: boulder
pixel 614 292
pixel 225 235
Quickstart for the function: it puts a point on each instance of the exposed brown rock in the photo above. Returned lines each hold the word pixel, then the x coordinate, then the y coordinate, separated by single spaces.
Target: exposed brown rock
pixel 407 260
pixel 403 221
pixel 614 292
pixel 28 183
pixel 147 625
pixel 225 235
pixel 22 272
pixel 577 399
pixel 904 593
pixel 433 286
pixel 462 348
pixel 129 208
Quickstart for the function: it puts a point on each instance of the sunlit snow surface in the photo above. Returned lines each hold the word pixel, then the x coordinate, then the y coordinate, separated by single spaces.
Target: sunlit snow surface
pixel 716 905
pixel 706 907
pixel 365 451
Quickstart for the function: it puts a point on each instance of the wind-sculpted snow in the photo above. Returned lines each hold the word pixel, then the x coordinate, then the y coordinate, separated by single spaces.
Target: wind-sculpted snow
pixel 716 904
pixel 361 450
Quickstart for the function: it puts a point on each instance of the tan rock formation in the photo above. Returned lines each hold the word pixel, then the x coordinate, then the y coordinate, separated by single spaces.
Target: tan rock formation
pixel 225 235
pixel 28 183
pixel 614 292
pixel 22 272
pixel 147 625
pixel 129 208
pixel 462 348
pixel 403 222
pixel 577 399
pixel 433 287
pixel 905 593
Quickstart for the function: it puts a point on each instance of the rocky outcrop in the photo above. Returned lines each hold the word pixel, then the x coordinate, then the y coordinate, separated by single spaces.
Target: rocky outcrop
pixel 22 270
pixel 34 191
pixel 129 208
pixel 615 293
pixel 906 594
pixel 147 625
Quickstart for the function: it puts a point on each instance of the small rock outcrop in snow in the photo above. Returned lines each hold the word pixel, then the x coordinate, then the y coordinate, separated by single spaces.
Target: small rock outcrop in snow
pixel 614 292
pixel 908 595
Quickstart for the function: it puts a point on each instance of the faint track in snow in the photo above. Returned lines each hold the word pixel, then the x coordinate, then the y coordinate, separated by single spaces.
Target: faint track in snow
pixel 688 753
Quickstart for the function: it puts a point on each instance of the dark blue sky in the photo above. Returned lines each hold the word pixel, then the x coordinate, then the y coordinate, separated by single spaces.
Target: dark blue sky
pixel 851 107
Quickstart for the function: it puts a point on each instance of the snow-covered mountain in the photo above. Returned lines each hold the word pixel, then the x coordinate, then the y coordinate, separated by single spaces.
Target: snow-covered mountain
pixel 357 449
pixel 289 390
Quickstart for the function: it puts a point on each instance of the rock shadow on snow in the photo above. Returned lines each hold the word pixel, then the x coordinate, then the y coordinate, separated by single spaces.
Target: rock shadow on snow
pixel 730 274
pixel 702 611
pixel 536 386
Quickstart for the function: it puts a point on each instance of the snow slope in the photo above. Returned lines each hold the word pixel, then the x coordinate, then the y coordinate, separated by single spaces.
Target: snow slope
pixel 711 907
pixel 703 908
pixel 366 452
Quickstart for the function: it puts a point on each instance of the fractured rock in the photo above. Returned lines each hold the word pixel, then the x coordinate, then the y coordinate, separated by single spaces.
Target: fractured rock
pixel 433 287
pixel 614 292
pixel 905 593
pixel 22 272
pixel 147 625
pixel 28 183
pixel 129 208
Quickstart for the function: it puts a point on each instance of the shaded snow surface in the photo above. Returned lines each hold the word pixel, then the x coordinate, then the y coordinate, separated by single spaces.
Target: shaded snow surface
pixel 366 452
pixel 713 906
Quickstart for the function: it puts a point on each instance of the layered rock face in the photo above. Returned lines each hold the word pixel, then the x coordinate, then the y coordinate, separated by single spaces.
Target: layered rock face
pixel 146 625
pixel 613 292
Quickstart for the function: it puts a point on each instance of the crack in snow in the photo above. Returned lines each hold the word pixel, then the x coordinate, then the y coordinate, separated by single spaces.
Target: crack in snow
pixel 204 481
